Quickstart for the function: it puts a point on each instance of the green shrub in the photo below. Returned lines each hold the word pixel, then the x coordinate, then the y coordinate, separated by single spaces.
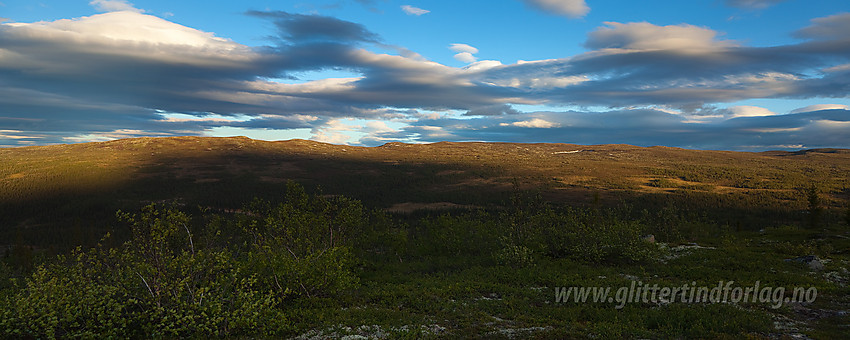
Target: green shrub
pixel 610 240
pixel 68 301
pixel 662 183
pixel 517 256
pixel 590 235
pixel 464 235
pixel 816 210
pixel 303 244
pixel 155 285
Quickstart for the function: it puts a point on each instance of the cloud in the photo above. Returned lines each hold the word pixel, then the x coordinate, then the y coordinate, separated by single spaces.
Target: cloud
pixel 112 135
pixel 682 65
pixel 128 34
pixel 821 107
pixel 465 52
pixel 532 123
pixel 646 37
pixel 114 6
pixel 301 28
pixel 111 73
pixel 642 127
pixel 333 132
pixel 410 10
pixel 831 27
pixel 463 48
pixel 752 4
pixel 568 8
pixel 465 57
pixel 492 110
pixel 482 65
pixel 749 111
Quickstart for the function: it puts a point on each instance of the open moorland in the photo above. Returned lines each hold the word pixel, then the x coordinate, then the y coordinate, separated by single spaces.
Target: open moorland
pixel 199 237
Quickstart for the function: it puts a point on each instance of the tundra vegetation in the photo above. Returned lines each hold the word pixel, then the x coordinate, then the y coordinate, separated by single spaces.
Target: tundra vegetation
pixel 196 237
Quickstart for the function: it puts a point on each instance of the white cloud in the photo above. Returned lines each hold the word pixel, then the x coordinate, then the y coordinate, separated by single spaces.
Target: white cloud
pixel 568 8
pixel 327 85
pixel 465 57
pixel 374 130
pixel 463 48
pixel 377 126
pixel 126 34
pixel 645 36
pixel 532 123
pixel 15 134
pixel 113 135
pixel 114 6
pixel 542 82
pixel 333 132
pixel 465 52
pixel 410 10
pixel 750 111
pixel 818 107
pixel 482 65
pixel 118 28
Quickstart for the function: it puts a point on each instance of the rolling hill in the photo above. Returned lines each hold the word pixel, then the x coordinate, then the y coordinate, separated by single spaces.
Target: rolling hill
pixel 224 173
pixel 472 238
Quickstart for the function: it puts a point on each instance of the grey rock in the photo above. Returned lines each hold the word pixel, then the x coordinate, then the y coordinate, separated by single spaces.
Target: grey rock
pixel 812 261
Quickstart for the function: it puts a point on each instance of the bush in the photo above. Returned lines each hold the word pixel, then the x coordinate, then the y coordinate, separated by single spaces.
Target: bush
pixel 517 256
pixel 67 301
pixel 303 245
pixel 156 284
pixel 815 206
pixel 465 235
pixel 590 234
pixel 609 240
pixel 662 183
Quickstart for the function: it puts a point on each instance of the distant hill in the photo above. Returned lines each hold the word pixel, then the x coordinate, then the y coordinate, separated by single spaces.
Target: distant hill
pixel 41 186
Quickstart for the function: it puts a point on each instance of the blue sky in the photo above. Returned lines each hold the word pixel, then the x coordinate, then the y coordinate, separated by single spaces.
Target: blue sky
pixel 714 74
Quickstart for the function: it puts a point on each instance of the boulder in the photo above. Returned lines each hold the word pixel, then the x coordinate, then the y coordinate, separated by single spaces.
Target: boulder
pixel 812 261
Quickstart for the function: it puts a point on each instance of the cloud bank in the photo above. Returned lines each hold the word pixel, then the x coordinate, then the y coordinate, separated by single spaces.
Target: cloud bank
pixel 125 73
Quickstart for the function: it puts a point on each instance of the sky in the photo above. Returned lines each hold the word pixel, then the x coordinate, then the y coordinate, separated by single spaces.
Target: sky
pixel 744 75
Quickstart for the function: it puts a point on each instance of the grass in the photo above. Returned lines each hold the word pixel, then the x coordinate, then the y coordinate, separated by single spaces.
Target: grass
pixel 488 300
